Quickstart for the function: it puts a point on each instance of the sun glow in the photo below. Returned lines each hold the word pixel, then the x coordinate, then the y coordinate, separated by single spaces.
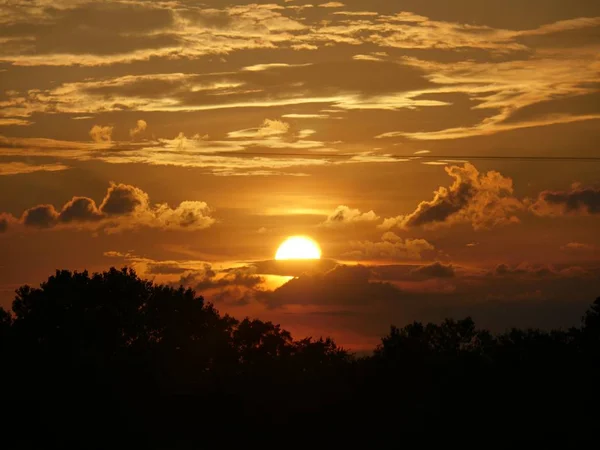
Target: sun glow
pixel 298 247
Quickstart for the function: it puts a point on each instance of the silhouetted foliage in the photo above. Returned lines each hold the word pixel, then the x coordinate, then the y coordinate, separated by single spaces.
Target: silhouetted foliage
pixel 110 360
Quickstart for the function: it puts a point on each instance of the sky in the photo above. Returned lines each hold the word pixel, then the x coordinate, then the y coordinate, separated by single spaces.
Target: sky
pixel 189 139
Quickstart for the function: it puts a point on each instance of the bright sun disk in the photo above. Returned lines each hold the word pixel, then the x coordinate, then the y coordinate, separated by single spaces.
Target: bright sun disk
pixel 298 247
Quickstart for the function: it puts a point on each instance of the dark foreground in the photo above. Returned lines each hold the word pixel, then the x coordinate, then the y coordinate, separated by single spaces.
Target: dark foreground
pixel 112 361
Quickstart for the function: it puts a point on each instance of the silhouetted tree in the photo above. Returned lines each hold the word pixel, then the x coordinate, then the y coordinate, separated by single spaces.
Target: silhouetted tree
pixel 109 359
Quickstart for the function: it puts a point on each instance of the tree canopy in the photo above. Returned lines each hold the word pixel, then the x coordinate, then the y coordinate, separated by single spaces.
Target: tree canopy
pixel 90 360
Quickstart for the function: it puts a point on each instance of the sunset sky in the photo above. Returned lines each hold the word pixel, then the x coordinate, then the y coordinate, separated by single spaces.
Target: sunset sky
pixel 189 139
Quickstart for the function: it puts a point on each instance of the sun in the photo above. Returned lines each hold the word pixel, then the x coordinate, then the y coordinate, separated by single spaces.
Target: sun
pixel 298 247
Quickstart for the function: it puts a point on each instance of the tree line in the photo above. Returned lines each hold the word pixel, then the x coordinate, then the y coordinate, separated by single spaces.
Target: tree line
pixel 92 361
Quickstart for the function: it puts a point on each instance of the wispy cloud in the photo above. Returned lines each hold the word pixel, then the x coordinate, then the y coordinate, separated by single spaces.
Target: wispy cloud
pixel 16 168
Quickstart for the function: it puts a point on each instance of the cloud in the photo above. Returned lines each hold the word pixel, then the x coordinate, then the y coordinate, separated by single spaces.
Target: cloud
pixel 89 34
pixel 80 209
pixel 41 216
pixel 17 168
pixel 366 58
pixel 356 13
pixel 343 285
pixel 540 271
pixel 391 247
pixel 263 67
pixel 577 201
pixel 208 279
pixel 386 294
pixel 578 247
pixel 435 270
pixel 332 5
pixel 123 207
pixel 232 285
pixel 123 199
pixel 6 220
pixel 14 122
pixel 506 89
pixel 302 134
pixel 306 116
pixel 139 128
pixel 344 216
pixel 269 128
pixel 293 268
pixel 366 299
pixel 299 47
pixel 187 216
pixel 101 134
pixel 484 200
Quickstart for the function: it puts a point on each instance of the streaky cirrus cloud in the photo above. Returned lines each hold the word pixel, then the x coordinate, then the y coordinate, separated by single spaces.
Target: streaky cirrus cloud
pixel 268 128
pixel 124 207
pixel 17 168
pixel 183 30
pixel 508 88
pixel 332 5
pixel 483 200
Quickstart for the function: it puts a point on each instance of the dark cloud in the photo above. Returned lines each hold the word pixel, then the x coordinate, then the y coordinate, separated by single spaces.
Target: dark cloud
pixel 237 278
pixel 443 206
pixel 41 216
pixel 166 269
pixel 435 270
pixel 369 306
pixel 3 223
pixel 540 271
pixel 123 199
pixel 80 209
pixel 483 200
pixel 343 285
pixel 206 278
pixel 123 207
pixel 579 200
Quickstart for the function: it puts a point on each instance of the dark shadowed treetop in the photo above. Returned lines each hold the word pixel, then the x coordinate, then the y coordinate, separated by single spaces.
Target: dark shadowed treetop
pixel 112 356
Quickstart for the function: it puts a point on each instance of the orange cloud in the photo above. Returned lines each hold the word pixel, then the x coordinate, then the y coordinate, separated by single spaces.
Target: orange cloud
pixel 139 128
pixel 124 207
pixel 101 134
pixel 482 200
pixel 344 216
pixel 391 247
pixel 577 201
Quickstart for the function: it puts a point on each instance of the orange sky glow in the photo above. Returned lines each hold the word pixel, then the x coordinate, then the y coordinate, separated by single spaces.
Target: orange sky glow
pixel 445 160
